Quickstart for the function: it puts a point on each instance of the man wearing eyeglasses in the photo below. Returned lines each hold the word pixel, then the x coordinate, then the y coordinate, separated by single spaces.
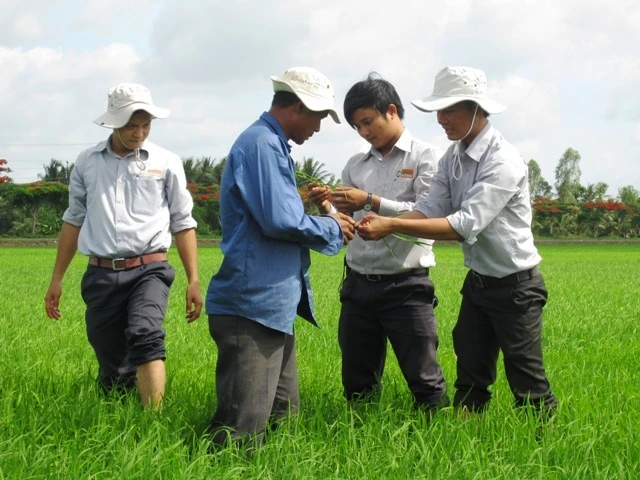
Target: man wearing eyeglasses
pixel 127 196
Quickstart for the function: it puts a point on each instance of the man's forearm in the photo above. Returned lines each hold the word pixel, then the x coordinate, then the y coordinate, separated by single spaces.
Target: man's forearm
pixel 432 228
pixel 188 250
pixel 67 248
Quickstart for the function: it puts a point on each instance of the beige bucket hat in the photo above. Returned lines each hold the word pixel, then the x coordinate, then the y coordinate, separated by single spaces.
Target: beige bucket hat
pixel 457 84
pixel 125 99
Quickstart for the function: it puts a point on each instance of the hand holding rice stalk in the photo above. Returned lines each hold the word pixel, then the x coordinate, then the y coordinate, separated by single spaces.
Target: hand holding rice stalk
pixel 377 227
pixel 323 195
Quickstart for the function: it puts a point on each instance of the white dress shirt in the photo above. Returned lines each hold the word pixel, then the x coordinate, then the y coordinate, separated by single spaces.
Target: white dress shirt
pixel 489 205
pixel 127 208
pixel 401 178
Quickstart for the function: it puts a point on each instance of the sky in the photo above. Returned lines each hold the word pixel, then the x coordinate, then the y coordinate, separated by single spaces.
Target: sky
pixel 568 71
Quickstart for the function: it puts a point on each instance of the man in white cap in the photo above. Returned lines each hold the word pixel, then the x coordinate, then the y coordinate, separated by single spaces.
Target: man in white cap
pixel 480 197
pixel 126 197
pixel 263 282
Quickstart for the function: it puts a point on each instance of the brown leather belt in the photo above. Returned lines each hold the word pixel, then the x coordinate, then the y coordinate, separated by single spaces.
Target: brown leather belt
pixel 129 262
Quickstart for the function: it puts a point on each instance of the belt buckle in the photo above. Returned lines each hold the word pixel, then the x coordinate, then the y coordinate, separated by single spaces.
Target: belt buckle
pixel 478 279
pixel 372 277
pixel 113 263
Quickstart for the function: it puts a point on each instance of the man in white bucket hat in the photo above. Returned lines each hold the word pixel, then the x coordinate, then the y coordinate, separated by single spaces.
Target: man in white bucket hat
pixel 263 282
pixel 127 196
pixel 480 197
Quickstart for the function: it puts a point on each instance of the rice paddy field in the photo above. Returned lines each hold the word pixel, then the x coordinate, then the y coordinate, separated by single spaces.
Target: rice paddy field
pixel 55 423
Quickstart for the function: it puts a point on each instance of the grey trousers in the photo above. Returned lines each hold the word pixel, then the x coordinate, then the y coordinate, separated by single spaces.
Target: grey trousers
pixel 256 379
pixel 506 318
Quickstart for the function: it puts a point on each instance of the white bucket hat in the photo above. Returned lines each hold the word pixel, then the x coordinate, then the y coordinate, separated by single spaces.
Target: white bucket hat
pixel 124 100
pixel 457 84
pixel 310 86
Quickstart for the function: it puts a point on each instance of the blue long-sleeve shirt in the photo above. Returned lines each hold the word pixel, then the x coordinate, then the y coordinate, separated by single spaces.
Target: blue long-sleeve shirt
pixel 266 236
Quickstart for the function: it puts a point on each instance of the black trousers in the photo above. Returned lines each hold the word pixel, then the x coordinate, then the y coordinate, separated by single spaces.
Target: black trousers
pixel 124 317
pixel 507 318
pixel 400 310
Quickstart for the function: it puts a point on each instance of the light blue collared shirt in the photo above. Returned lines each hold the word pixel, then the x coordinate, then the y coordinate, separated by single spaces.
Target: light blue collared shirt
pixel 401 178
pixel 266 236
pixel 489 205
pixel 123 210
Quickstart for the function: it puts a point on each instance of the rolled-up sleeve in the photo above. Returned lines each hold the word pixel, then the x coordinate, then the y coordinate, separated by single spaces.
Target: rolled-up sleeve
pixel 486 199
pixel 77 209
pixel 178 197
pixel 268 188
pixel 438 202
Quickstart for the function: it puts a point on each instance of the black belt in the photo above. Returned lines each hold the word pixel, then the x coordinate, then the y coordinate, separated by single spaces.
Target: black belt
pixel 483 281
pixel 372 277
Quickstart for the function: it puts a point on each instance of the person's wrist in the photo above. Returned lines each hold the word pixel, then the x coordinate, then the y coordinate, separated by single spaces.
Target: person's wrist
pixel 368 203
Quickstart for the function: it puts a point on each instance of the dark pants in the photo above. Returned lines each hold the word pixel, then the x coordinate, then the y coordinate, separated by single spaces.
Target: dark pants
pixel 507 318
pixel 400 310
pixel 124 316
pixel 256 378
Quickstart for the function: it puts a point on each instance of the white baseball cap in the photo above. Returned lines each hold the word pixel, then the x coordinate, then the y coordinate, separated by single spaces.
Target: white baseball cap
pixel 457 84
pixel 313 89
pixel 125 99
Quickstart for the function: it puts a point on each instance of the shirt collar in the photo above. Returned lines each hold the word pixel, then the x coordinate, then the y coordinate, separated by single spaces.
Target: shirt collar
pixel 403 143
pixel 479 145
pixel 144 153
pixel 271 121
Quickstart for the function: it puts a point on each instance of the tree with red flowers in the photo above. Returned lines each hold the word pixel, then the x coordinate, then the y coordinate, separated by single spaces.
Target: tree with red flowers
pixel 4 169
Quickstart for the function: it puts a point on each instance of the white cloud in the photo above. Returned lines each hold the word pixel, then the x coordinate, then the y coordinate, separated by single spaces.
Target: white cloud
pixel 568 71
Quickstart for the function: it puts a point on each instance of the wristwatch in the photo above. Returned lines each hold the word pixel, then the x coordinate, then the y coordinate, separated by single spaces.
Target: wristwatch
pixel 369 203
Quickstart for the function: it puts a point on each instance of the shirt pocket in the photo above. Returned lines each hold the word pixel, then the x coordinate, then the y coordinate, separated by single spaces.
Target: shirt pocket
pixel 146 195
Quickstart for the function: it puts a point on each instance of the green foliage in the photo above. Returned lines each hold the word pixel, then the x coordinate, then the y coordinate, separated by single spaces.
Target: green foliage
pixel 609 218
pixel 568 176
pixel 32 201
pixel 204 171
pixel 538 186
pixel 310 170
pixel 206 207
pixel 56 171
pixel 630 196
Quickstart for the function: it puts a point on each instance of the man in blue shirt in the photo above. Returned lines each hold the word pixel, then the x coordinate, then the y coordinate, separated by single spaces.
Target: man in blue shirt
pixel 480 197
pixel 263 282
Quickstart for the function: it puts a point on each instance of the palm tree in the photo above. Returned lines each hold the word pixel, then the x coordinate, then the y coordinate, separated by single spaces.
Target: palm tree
pixel 310 170
pixel 189 169
pixel 57 172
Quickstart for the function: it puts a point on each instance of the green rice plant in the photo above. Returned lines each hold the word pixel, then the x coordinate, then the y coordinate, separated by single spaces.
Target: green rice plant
pixel 55 423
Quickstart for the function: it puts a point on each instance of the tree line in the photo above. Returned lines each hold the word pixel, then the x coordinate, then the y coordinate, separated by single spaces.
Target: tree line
pixel 566 209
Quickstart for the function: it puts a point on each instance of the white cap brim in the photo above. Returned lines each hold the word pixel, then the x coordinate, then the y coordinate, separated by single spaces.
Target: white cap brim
pixel 120 118
pixel 435 103
pixel 315 104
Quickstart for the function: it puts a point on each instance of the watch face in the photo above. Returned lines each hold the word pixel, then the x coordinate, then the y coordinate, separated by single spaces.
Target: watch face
pixel 367 207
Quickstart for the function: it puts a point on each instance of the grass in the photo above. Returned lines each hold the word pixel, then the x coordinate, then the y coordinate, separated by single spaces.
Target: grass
pixel 54 423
